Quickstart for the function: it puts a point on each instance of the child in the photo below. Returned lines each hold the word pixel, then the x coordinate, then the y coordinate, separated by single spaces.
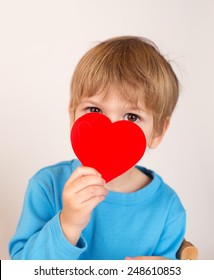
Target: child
pixel 69 211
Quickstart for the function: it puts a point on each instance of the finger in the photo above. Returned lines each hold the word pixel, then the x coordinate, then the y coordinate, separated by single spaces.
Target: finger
pixel 82 171
pixel 85 182
pixel 92 203
pixel 80 178
pixel 90 192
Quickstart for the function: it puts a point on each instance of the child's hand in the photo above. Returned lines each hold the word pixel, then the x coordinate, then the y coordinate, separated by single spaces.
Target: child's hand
pixel 83 191
pixel 146 258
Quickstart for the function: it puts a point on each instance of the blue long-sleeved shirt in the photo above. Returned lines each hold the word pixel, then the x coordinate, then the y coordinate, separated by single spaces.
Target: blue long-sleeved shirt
pixel 150 221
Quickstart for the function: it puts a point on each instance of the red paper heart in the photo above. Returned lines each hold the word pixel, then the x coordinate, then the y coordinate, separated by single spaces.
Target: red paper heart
pixel 110 148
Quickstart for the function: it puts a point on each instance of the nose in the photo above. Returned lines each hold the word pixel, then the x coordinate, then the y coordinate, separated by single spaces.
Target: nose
pixel 113 118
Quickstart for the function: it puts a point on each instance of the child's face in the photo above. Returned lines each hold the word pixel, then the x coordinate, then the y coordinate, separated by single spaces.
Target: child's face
pixel 116 108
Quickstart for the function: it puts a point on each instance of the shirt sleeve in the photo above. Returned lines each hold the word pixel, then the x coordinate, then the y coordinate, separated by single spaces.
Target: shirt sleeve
pixel 173 231
pixel 39 235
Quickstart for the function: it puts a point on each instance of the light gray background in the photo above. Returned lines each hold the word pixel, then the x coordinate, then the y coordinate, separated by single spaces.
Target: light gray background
pixel 40 44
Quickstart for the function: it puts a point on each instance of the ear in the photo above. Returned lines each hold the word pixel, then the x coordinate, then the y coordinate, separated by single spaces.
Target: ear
pixel 156 139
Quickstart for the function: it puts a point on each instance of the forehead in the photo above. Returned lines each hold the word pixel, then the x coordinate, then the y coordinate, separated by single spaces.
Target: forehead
pixel 114 95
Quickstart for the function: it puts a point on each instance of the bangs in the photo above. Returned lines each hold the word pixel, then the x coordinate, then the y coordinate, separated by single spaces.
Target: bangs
pixel 110 66
pixel 129 93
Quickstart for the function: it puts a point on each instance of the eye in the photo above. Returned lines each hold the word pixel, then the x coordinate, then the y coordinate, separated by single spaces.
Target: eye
pixel 132 117
pixel 93 110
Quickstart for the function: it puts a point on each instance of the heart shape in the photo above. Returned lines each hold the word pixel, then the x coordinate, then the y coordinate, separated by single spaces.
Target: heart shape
pixel 110 148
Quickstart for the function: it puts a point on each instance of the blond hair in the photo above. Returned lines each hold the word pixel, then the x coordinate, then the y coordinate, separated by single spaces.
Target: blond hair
pixel 136 68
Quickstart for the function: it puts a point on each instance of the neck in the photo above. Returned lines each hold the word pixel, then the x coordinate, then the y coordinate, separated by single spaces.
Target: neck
pixel 130 181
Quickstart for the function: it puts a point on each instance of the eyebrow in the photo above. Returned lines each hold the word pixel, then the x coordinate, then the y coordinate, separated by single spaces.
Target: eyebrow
pixel 138 109
pixel 91 102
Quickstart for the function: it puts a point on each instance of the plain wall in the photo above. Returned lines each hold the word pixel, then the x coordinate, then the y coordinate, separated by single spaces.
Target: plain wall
pixel 40 44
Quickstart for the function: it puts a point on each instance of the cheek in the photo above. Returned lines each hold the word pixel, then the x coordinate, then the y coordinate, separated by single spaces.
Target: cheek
pixel 148 138
pixel 79 112
pixel 73 118
pixel 148 133
pixel 75 115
